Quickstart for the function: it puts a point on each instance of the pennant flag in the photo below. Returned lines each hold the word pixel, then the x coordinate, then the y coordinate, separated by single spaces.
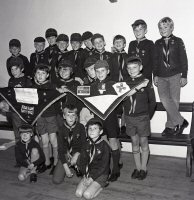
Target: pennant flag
pixel 102 105
pixel 29 103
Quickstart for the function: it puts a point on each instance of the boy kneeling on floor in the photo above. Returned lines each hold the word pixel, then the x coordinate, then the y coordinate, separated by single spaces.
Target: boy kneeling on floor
pixel 28 153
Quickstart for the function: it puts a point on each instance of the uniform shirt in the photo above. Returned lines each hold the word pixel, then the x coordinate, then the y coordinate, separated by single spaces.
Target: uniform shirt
pixel 69 98
pixel 37 58
pixel 78 58
pixel 88 52
pixel 27 66
pixel 143 49
pixel 177 58
pixel 104 55
pixel 23 152
pixel 20 82
pixel 116 66
pixel 100 164
pixel 51 53
pixel 142 102
pixel 50 111
pixel 78 141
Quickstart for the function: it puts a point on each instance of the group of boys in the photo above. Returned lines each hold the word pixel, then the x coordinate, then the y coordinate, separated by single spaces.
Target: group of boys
pixel 56 67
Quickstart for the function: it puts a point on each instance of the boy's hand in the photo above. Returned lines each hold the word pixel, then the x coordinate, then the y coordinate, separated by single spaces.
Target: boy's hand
pixel 79 80
pixel 31 166
pixel 142 85
pixel 74 158
pixel 62 89
pixel 4 106
pixel 68 172
pixel 156 81
pixel 183 82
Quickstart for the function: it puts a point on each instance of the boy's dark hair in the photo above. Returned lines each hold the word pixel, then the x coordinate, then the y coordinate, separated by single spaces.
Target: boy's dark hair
pixel 25 128
pixel 119 37
pixel 76 37
pixel 139 22
pixel 62 37
pixel 97 35
pixel 71 108
pixel 94 121
pixel 39 39
pixel 134 59
pixel 87 35
pixel 16 61
pixel 42 67
pixel 14 43
pixel 50 32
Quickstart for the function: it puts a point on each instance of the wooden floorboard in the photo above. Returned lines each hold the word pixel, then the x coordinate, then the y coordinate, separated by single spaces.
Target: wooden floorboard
pixel 166 180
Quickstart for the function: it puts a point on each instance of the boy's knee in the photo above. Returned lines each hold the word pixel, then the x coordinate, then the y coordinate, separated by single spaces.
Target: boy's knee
pixel 34 152
pixel 78 194
pixel 53 142
pixel 113 143
pixel 21 177
pixel 135 149
pixel 57 181
pixel 87 195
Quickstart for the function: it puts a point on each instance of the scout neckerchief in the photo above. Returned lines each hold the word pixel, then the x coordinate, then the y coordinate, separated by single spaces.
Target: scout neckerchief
pixel 100 54
pixel 121 64
pixel 92 152
pixel 69 140
pixel 39 56
pixel 27 151
pixel 137 48
pixel 133 98
pixel 165 50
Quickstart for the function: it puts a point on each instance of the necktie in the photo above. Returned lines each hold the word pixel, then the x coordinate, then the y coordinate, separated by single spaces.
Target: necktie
pixel 166 52
pixel 75 56
pixel 92 152
pixel 121 65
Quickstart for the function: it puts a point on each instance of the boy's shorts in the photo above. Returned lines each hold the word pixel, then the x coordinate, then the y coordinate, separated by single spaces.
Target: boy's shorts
pixel 139 125
pixel 47 125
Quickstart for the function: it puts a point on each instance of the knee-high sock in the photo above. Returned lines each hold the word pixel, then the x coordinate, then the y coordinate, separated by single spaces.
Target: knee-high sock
pixel 47 155
pixel 115 158
pixel 55 155
pixel 144 159
pixel 137 159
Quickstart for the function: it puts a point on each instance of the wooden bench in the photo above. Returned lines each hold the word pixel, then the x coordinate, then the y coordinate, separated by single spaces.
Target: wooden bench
pixel 178 140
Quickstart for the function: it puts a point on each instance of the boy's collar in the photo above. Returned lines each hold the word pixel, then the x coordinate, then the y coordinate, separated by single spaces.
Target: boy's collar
pixel 100 52
pixel 41 83
pixel 66 81
pixel 40 52
pixel 170 36
pixel 138 76
pixel 120 52
pixel 70 127
pixel 15 56
pixel 142 39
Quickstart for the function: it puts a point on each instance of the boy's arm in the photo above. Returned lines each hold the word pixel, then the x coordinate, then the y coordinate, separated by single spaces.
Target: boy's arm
pixel 183 58
pixel 151 100
pixel 41 158
pixel 62 146
pixel 155 62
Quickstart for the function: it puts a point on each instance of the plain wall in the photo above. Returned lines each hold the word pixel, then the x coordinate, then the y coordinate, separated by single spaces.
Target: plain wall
pixel 27 19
